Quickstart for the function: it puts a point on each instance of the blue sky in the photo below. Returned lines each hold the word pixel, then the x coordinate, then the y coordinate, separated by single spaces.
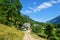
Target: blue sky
pixel 41 10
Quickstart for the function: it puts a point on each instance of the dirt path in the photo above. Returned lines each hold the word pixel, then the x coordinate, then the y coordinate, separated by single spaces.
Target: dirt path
pixel 28 36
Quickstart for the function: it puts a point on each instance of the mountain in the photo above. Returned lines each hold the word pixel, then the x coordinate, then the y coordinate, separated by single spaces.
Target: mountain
pixel 55 20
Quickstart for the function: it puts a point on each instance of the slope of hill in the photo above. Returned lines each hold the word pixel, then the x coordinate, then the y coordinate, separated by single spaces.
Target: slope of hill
pixel 7 33
pixel 56 20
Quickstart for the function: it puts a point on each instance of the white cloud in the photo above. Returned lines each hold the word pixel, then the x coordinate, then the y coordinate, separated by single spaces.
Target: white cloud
pixel 55 1
pixel 27 11
pixel 39 8
pixel 42 6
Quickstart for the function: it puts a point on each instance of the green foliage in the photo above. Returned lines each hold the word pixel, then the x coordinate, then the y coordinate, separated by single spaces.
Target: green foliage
pixel 49 29
pixel 54 38
pixel 10 13
pixel 58 32
pixel 38 29
pixel 57 25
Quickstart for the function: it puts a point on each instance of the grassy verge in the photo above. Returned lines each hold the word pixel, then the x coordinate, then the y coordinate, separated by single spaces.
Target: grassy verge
pixel 7 33
pixel 37 37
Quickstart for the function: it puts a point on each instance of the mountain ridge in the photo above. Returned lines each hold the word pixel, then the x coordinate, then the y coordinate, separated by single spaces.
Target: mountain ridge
pixel 55 20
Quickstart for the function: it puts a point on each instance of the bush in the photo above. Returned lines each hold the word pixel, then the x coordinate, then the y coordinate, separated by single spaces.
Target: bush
pixel 37 29
pixel 53 38
pixel 58 32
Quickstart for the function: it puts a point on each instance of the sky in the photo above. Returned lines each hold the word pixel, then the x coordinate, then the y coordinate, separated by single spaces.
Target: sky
pixel 41 10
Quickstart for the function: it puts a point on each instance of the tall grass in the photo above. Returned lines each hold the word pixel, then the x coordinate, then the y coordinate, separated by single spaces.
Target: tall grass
pixel 7 33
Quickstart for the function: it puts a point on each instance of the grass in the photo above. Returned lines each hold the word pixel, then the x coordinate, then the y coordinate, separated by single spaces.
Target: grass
pixel 37 37
pixel 8 33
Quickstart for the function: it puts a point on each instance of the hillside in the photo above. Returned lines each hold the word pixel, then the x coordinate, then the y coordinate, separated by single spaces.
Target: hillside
pixel 55 20
pixel 7 33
